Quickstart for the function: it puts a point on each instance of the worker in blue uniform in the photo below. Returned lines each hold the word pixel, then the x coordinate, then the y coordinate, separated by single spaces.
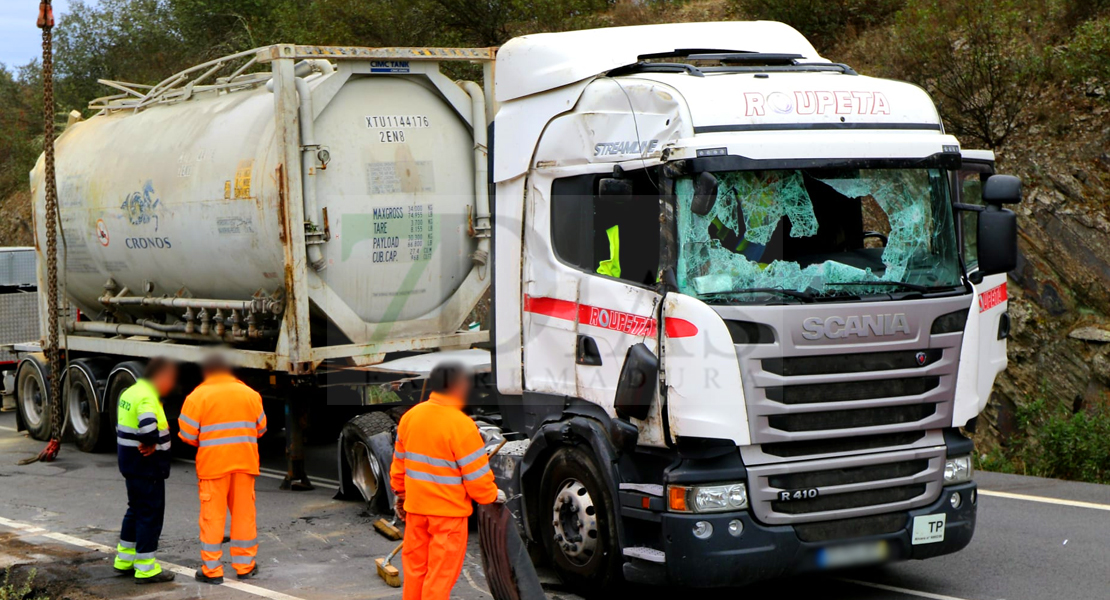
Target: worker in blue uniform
pixel 143 443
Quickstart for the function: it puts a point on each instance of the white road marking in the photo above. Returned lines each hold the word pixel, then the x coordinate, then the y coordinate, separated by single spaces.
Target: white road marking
pixel 1046 500
pixel 11 429
pixel 180 570
pixel 323 482
pixel 891 588
pixel 474 584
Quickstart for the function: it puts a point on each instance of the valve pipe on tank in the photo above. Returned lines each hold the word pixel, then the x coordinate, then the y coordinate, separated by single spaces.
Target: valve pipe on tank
pixel 255 305
pixel 481 155
pixel 171 331
pixel 308 169
pixel 481 173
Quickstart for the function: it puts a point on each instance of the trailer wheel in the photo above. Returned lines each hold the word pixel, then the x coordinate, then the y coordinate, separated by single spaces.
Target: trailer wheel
pixel 33 397
pixel 577 522
pixel 92 429
pixel 362 453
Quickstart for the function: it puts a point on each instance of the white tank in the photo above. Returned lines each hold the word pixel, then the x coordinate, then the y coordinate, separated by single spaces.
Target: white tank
pixel 184 196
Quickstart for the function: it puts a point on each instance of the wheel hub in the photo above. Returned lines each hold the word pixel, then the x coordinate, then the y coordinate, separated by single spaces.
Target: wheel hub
pixel 79 409
pixel 33 401
pixel 575 522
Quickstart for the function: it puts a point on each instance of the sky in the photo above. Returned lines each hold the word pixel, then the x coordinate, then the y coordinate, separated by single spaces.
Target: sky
pixel 20 39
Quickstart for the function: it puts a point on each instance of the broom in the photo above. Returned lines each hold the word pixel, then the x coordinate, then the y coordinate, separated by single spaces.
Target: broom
pixel 388 572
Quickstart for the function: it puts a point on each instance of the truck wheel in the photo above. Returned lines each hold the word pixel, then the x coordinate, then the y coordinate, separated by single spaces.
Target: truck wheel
pixel 92 430
pixel 123 376
pixel 577 523
pixel 366 467
pixel 33 397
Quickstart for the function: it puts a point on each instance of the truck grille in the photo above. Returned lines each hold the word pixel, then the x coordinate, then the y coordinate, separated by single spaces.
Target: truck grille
pixel 853 413
pixel 847 487
pixel 802 388
pixel 845 529
pixel 838 445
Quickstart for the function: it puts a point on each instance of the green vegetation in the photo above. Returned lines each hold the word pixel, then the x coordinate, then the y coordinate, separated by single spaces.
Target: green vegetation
pixel 24 591
pixel 1088 56
pixel 1058 443
pixel 825 22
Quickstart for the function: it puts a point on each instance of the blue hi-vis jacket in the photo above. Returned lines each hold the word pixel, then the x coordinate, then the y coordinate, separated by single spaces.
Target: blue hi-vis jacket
pixel 142 420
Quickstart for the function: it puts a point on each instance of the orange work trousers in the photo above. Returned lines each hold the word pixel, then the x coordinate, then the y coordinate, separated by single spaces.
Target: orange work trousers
pixel 432 556
pixel 233 491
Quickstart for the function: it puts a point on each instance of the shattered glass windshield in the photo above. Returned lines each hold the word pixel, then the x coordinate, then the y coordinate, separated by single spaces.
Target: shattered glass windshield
pixel 805 233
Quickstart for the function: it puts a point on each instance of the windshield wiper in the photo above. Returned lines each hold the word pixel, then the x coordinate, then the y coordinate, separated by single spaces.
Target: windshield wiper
pixel 803 296
pixel 917 287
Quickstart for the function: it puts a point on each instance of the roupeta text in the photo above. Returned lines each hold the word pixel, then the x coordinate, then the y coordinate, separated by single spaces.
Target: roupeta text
pixel 758 104
pixel 148 243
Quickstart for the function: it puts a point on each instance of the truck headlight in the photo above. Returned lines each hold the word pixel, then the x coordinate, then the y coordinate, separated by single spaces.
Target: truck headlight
pixel 957 470
pixel 723 497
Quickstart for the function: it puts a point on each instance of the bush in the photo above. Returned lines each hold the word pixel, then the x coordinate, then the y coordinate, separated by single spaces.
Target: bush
pixel 10 591
pixel 1088 54
pixel 824 22
pixel 1059 444
pixel 984 62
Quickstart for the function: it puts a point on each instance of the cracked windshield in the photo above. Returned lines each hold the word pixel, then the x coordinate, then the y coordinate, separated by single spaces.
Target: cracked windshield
pixel 817 232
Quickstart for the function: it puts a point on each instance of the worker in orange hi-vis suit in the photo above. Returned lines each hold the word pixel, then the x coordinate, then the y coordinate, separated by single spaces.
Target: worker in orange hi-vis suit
pixel 224 419
pixel 439 466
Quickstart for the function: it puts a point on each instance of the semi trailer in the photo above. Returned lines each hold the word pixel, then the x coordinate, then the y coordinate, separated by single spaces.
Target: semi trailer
pixel 743 300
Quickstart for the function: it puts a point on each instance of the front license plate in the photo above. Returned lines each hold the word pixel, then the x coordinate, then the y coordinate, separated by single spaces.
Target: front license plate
pixel 929 529
pixel 853 555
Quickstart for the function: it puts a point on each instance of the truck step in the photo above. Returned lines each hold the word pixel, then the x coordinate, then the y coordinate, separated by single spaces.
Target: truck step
pixel 645 553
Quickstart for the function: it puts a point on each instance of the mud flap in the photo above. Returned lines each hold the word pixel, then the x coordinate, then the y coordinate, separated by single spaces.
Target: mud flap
pixel 509 570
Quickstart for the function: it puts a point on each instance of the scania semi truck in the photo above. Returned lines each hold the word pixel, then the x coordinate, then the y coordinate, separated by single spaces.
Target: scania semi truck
pixel 743 299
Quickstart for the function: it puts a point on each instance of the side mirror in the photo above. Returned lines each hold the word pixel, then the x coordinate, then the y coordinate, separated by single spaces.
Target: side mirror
pixel 612 186
pixel 637 383
pixel 705 193
pixel 997 240
pixel 1002 189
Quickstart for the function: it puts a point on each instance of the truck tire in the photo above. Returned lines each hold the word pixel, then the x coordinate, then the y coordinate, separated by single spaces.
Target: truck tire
pixel 123 376
pixel 88 421
pixel 33 397
pixel 577 522
pixel 365 464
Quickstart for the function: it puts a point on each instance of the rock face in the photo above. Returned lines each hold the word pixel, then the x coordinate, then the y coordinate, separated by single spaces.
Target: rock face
pixel 1059 347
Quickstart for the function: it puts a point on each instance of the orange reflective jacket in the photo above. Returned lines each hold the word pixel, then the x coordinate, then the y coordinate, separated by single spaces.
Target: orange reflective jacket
pixel 439 463
pixel 224 418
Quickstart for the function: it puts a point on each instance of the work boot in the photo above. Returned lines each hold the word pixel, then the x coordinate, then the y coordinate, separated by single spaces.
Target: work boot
pixel 251 574
pixel 163 577
pixel 130 571
pixel 201 577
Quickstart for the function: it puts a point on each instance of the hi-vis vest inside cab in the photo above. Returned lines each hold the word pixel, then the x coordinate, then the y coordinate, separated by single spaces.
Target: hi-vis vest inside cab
pixel 223 417
pixel 141 420
pixel 439 462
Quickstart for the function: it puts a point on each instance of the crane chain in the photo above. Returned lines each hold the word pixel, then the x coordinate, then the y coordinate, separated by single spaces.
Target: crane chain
pixel 53 352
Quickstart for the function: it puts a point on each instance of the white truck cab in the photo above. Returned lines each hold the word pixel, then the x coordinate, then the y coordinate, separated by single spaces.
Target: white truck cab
pixel 738 311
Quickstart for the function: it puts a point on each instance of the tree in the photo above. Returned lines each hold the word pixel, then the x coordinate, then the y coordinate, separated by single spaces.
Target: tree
pixel 983 60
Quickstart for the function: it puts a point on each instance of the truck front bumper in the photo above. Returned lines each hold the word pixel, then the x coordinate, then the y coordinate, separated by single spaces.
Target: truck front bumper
pixel 763 552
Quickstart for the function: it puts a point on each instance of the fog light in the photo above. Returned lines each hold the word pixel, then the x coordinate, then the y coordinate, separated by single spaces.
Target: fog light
pixel 703 529
pixel 736 528
pixel 955 500
pixel 973 496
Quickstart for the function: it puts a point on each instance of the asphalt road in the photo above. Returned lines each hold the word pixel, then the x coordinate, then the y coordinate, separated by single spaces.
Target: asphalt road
pixel 1036 539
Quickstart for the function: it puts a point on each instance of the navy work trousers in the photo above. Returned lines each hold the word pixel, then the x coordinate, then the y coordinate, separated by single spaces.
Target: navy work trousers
pixel 146 507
